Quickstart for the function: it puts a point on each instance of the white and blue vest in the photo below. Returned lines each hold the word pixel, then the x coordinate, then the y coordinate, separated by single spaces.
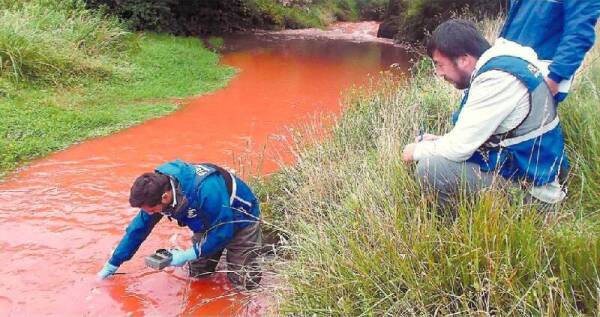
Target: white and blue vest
pixel 534 150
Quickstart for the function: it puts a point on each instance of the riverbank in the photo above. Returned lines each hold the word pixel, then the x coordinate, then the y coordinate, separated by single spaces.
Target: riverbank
pixel 69 74
pixel 359 238
pixel 219 17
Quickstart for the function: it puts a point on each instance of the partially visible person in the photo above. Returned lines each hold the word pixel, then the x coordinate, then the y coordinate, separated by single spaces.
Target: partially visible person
pixel 506 131
pixel 561 32
pixel 219 209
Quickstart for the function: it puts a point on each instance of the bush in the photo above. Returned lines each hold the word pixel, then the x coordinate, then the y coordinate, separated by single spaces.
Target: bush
pixel 189 17
pixel 371 9
pixel 412 20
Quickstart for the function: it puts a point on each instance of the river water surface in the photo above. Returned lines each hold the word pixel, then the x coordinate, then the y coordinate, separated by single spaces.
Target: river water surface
pixel 61 215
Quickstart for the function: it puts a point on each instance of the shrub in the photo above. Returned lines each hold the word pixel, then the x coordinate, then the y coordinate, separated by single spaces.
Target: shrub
pixel 213 16
pixel 411 20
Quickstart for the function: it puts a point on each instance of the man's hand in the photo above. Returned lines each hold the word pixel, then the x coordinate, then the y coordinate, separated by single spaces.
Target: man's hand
pixel 107 271
pixel 552 85
pixel 180 257
pixel 427 137
pixel 408 152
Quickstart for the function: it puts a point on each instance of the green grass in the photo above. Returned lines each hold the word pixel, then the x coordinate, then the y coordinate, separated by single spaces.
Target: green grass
pixel 319 13
pixel 39 119
pixel 51 42
pixel 360 239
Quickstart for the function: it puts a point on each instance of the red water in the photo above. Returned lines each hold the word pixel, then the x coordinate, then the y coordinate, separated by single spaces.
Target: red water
pixel 61 215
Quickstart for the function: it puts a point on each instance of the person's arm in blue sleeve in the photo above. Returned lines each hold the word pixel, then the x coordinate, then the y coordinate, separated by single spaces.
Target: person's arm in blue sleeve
pixel 215 201
pixel 578 37
pixel 137 231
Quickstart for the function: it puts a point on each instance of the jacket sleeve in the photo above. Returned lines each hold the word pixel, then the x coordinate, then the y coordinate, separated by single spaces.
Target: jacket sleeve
pixel 137 231
pixel 215 202
pixel 578 36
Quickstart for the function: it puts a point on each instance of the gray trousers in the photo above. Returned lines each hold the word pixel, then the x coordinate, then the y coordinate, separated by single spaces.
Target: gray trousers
pixel 448 180
pixel 242 254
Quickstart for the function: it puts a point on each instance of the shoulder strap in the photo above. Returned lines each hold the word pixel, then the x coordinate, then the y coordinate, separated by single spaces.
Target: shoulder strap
pixel 542 107
pixel 209 168
pixel 526 72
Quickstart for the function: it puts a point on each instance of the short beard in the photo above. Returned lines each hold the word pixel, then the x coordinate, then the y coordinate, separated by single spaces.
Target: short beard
pixel 464 81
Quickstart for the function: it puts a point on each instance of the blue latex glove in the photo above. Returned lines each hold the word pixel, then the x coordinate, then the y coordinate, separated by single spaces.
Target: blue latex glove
pixel 180 257
pixel 107 271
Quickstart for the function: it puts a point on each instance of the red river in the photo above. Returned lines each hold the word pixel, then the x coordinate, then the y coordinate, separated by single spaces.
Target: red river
pixel 60 216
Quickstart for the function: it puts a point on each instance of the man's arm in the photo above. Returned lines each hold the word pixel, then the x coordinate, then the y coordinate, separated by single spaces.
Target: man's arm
pixel 577 38
pixel 137 231
pixel 493 96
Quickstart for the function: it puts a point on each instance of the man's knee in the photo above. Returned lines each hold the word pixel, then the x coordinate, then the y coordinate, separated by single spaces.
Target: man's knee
pixel 204 267
pixel 435 172
pixel 243 255
pixel 247 276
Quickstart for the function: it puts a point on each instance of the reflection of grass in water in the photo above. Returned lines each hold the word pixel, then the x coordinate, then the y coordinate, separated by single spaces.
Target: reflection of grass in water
pixel 215 42
pixel 362 240
pixel 237 301
pixel 228 306
pixel 205 301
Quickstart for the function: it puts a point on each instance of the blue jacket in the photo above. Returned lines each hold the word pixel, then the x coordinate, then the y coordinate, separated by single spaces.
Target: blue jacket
pixel 533 151
pixel 211 211
pixel 558 30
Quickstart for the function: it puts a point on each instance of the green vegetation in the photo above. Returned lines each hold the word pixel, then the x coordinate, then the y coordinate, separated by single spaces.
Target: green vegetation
pixel 68 74
pixel 298 14
pixel 57 43
pixel 360 239
pixel 411 20
pixel 213 17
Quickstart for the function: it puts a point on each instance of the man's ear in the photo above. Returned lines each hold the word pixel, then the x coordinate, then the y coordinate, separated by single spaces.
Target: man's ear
pixel 166 197
pixel 463 60
pixel 469 61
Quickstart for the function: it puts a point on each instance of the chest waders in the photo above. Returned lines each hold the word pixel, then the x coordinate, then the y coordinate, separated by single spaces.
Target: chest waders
pixel 532 152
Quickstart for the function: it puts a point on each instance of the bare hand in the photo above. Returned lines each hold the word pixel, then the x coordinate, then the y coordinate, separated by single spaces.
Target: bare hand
pixel 552 85
pixel 427 137
pixel 408 152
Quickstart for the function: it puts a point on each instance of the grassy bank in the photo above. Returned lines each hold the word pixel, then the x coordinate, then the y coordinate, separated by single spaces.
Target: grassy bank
pixel 362 240
pixel 69 74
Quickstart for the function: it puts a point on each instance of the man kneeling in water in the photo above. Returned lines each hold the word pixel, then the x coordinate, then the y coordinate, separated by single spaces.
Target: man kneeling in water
pixel 217 206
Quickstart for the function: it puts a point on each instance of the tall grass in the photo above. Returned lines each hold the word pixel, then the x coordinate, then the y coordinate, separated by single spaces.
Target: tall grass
pixel 581 123
pixel 58 42
pixel 360 239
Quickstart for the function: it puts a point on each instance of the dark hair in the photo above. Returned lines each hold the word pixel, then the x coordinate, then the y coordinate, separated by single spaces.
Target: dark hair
pixel 148 189
pixel 455 38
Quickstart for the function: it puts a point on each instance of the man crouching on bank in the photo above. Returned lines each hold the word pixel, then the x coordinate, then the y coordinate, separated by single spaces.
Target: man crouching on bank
pixel 218 207
pixel 506 130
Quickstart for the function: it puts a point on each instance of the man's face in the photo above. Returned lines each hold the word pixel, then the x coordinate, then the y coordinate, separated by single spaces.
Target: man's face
pixel 166 200
pixel 154 209
pixel 454 71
